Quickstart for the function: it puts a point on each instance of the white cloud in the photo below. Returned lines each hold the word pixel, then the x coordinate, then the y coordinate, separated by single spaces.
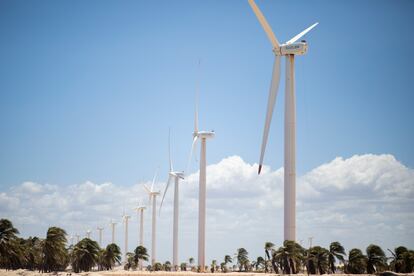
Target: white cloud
pixel 359 200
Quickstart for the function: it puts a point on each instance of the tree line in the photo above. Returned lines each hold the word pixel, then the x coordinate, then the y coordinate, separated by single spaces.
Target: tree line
pixel 292 258
pixel 52 254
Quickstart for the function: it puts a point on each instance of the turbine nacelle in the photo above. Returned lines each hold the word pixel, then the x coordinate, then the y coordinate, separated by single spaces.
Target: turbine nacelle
pixel 297 48
pixel 205 134
pixel 139 208
pixel 177 174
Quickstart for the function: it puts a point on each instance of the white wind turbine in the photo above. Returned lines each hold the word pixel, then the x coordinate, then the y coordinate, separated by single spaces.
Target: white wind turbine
pixel 125 220
pixel 289 50
pixel 100 229
pixel 153 198
pixel 176 175
pixel 203 136
pixel 88 234
pixel 140 212
pixel 112 224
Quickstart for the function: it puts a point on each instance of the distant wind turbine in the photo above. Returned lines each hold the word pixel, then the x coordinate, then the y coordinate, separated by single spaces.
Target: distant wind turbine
pixel 140 212
pixel 176 175
pixel 289 50
pixel 125 220
pixel 100 235
pixel 88 234
pixel 112 224
pixel 153 198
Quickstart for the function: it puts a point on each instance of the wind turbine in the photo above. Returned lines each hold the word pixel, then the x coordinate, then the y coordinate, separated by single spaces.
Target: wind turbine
pixel 125 219
pixel 100 235
pixel 140 212
pixel 203 136
pixel 289 50
pixel 112 224
pixel 176 175
pixel 88 234
pixel 153 197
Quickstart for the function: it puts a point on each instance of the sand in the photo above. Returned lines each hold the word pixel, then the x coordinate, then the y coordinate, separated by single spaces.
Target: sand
pixel 120 272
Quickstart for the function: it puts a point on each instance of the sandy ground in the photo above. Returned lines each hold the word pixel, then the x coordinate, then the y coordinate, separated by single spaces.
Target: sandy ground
pixel 119 272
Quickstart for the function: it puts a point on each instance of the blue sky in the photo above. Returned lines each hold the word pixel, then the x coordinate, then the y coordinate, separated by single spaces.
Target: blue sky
pixel 88 89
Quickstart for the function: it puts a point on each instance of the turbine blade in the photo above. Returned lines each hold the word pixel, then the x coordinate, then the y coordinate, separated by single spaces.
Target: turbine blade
pixel 296 37
pixel 264 24
pixel 165 191
pixel 196 118
pixel 169 150
pixel 153 180
pixel 191 152
pixel 270 105
pixel 196 99
pixel 146 188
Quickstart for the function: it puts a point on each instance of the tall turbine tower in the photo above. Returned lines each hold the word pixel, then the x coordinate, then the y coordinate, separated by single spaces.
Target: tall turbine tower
pixel 153 198
pixel 100 235
pixel 176 175
pixel 203 136
pixel 289 50
pixel 88 234
pixel 112 224
pixel 125 219
pixel 140 212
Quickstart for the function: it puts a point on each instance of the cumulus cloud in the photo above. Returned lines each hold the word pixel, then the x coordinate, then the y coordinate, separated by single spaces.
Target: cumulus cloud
pixel 358 200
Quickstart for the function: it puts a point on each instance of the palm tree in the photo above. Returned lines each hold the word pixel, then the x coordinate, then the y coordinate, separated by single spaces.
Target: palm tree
pixel 357 262
pixel 157 267
pixel 166 266
pixel 260 262
pixel 376 260
pixel 289 257
pixel 191 262
pixel 141 254
pixel 16 258
pixel 213 266
pixel 33 253
pixel 85 255
pixel 318 260
pixel 8 233
pixel 268 248
pixel 402 260
pixel 183 266
pixel 227 259
pixel 242 258
pixel 111 256
pixel 130 261
pixel 336 251
pixel 54 250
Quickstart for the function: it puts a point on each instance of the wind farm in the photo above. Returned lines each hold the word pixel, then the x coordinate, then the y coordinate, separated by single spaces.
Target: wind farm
pixel 96 97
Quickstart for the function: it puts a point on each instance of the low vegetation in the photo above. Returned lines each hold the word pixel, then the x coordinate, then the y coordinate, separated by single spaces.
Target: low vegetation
pixel 53 254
